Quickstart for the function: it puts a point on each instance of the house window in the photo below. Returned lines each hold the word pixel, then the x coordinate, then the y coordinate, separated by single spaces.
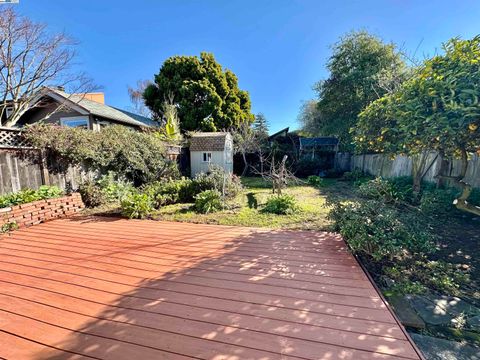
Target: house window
pixel 8 111
pixel 207 156
pixel 75 121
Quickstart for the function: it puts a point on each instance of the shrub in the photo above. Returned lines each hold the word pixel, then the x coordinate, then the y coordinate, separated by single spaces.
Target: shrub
pixel 28 195
pixel 171 191
pixel 113 187
pixel 381 189
pixel 281 205
pixel 208 201
pixel 438 202
pixel 137 205
pixel 92 194
pixel 353 175
pixel 380 231
pixel 315 181
pixel 139 156
pixel 217 179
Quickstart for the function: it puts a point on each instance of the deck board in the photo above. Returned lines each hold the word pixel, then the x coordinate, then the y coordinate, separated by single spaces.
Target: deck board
pixel 109 288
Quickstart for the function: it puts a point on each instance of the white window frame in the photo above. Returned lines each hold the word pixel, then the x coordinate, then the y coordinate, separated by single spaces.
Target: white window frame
pixel 64 120
pixel 8 111
pixel 207 157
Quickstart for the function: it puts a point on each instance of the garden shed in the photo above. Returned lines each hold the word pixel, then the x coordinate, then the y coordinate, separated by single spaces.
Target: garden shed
pixel 210 148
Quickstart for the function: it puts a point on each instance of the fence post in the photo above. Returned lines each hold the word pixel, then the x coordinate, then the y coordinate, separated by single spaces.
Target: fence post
pixel 44 169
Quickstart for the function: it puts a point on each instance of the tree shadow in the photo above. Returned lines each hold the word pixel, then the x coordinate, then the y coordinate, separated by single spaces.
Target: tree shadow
pixel 214 292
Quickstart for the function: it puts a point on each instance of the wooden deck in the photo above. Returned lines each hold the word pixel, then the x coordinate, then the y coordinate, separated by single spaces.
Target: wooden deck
pixel 106 288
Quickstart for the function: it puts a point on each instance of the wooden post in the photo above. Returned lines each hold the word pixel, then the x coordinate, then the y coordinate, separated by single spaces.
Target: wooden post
pixel 43 168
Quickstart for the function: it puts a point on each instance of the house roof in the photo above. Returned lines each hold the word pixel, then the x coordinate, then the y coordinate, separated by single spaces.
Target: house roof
pixel 282 132
pixel 102 110
pixel 208 141
pixel 318 141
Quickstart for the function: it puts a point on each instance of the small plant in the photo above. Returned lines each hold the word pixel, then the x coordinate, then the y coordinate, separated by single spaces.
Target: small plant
pixel 114 188
pixel 49 192
pixel 353 176
pixel 9 226
pixel 381 189
pixel 92 194
pixel 315 181
pixel 137 205
pixel 28 195
pixel 208 201
pixel 281 205
pixel 438 202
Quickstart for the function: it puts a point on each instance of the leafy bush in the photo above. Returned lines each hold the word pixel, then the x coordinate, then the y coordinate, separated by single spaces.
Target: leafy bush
pixel 353 175
pixel 226 183
pixel 438 202
pixel 171 191
pixel 139 156
pixel 28 195
pixel 316 181
pixel 208 201
pixel 380 231
pixel 92 194
pixel 114 188
pixel 381 189
pixel 137 205
pixel 281 205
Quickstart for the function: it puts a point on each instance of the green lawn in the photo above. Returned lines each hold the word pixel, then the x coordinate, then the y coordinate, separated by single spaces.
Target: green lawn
pixel 245 208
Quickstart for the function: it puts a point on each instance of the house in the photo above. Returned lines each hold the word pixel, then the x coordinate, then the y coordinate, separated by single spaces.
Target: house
pixel 88 111
pixel 210 148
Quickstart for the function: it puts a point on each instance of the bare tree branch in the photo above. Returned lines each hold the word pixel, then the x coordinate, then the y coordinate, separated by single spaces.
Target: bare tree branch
pixel 32 60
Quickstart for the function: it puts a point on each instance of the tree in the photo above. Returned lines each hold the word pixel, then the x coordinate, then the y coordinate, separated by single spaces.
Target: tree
pixel 309 117
pixel 362 69
pixel 207 96
pixel 171 125
pixel 246 140
pixel 437 109
pixel 136 98
pixel 260 125
pixel 32 59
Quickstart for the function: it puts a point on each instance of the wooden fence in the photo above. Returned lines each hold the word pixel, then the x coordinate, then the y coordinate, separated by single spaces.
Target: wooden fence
pixel 381 165
pixel 17 172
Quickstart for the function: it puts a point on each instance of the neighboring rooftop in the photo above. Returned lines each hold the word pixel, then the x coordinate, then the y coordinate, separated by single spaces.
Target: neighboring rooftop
pixel 208 141
pixel 318 141
pixel 102 110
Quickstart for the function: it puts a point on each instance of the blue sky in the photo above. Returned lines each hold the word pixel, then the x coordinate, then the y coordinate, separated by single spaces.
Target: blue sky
pixel 277 48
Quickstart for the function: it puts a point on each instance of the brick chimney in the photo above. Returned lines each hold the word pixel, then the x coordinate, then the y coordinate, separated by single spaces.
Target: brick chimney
pixel 98 97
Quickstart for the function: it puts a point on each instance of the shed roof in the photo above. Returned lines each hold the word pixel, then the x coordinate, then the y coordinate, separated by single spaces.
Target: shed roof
pixel 208 141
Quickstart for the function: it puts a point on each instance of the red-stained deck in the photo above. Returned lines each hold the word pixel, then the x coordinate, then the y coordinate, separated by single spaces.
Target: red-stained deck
pixel 108 288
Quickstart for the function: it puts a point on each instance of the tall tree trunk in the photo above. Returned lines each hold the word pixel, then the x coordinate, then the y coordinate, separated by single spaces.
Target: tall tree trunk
pixel 440 180
pixel 418 166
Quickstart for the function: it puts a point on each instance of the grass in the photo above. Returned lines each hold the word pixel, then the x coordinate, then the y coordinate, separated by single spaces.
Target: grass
pixel 245 208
